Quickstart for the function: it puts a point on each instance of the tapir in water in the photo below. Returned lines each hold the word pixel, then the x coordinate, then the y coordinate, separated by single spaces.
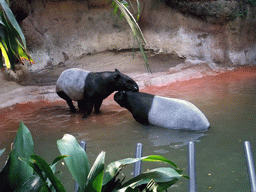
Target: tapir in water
pixel 162 111
pixel 91 88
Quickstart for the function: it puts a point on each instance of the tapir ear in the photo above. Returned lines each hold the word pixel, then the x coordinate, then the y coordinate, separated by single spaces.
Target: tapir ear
pixel 117 76
pixel 117 71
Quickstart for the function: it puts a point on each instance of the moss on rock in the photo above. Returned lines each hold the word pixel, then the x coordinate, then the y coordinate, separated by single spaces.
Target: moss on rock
pixel 213 11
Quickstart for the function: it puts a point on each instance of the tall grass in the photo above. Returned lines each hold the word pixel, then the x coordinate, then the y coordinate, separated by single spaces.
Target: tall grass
pixel 137 33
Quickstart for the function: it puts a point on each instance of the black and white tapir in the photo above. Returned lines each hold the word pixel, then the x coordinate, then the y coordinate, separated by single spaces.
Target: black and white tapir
pixel 90 88
pixel 162 111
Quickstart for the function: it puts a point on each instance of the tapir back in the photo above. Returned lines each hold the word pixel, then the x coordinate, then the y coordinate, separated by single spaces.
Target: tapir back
pixel 72 81
pixel 176 114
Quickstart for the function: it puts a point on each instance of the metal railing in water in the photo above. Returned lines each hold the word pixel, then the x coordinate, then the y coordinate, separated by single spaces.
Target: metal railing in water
pixel 192 164
pixel 250 165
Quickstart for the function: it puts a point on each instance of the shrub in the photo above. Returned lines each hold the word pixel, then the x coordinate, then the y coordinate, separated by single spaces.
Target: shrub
pixel 25 171
pixel 12 40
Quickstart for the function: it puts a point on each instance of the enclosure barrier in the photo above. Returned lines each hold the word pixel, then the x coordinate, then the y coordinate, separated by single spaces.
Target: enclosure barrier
pixel 250 165
pixel 192 164
pixel 137 165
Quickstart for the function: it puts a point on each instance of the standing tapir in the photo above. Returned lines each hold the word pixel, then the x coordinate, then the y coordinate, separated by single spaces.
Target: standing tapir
pixel 90 88
pixel 162 111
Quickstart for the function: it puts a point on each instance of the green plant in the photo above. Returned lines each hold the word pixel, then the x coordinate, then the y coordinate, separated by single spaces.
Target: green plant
pixel 13 44
pixel 25 171
pixel 137 33
pixel 12 40
pixel 96 179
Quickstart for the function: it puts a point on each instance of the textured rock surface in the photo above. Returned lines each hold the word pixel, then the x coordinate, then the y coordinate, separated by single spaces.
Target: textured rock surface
pixel 212 11
pixel 217 32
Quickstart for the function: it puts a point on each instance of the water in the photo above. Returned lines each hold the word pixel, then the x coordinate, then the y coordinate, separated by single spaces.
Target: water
pixel 228 101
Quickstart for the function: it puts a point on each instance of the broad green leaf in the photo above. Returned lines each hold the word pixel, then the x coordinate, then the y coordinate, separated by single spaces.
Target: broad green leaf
pixel 158 158
pixel 13 21
pixel 43 177
pixel 163 176
pixel 44 166
pixel 56 160
pixel 15 172
pixel 33 184
pixel 77 161
pixel 37 171
pixel 5 56
pixel 2 151
pixel 95 177
pixel 29 162
pixel 114 167
pixel 22 54
pixel 8 35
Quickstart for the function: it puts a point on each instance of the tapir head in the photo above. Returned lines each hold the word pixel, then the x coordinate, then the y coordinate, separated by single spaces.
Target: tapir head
pixel 124 83
pixel 120 98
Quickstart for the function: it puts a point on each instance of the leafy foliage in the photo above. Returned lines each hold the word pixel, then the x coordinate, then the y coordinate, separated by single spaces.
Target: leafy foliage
pixel 12 40
pixel 15 171
pixel 25 171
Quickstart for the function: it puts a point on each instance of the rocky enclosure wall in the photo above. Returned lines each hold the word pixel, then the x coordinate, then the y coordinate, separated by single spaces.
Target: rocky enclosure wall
pixel 218 32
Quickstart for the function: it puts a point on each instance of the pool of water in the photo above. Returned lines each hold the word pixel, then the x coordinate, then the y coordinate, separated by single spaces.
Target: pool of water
pixel 228 100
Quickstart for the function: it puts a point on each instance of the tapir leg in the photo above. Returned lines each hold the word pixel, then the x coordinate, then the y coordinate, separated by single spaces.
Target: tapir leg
pixel 87 108
pixel 97 105
pixel 68 100
pixel 82 105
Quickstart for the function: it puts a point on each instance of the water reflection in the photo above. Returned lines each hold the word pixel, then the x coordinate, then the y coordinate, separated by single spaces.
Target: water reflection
pixel 172 138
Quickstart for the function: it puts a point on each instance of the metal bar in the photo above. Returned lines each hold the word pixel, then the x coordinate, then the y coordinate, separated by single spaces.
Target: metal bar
pixel 192 166
pixel 83 145
pixel 250 165
pixel 137 165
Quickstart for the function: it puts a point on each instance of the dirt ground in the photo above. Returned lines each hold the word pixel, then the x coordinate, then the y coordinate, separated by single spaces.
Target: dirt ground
pixel 166 69
pixel 127 62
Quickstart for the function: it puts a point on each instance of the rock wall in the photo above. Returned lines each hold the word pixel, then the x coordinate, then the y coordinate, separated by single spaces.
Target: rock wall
pixel 217 32
pixel 214 38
